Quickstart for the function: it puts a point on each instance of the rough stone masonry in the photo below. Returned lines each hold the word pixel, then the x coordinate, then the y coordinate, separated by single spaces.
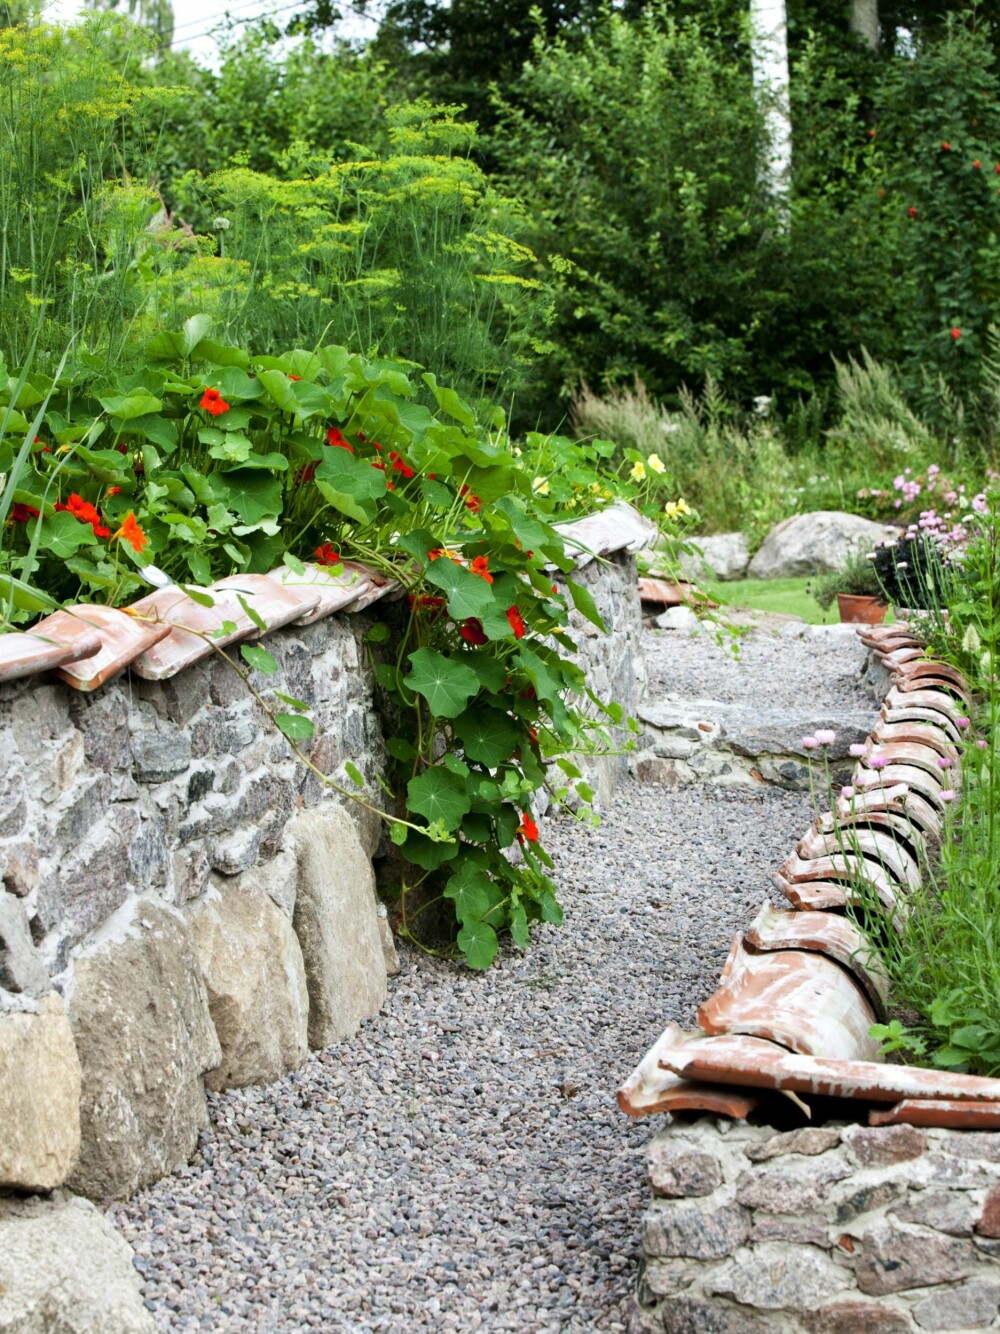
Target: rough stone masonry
pixel 835 1229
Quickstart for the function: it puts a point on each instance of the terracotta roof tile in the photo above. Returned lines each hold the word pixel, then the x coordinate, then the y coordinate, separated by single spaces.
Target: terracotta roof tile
pixel 122 638
pixel 24 653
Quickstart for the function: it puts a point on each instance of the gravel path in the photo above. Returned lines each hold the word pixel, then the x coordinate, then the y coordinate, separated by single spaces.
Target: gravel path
pixel 461 1163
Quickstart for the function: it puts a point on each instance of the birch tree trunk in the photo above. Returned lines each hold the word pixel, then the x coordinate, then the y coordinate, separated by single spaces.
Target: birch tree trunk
pixel 863 21
pixel 769 56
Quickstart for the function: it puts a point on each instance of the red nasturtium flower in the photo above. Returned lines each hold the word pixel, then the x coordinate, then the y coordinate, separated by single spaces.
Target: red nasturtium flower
pixel 114 490
pixel 294 377
pixel 327 554
pixel 946 146
pixel 22 513
pixel 213 402
pixel 528 828
pixel 131 533
pixel 399 464
pixel 956 333
pixel 912 212
pixel 335 438
pixel 306 473
pixel 516 621
pixel 472 501
pixel 481 566
pixel 472 631
pixel 84 511
pixel 977 164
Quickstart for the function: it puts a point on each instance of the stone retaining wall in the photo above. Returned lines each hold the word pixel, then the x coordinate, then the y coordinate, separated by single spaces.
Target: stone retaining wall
pixel 836 1229
pixel 183 904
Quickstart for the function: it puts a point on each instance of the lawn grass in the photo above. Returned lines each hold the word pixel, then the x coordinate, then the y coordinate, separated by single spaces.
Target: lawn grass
pixel 788 596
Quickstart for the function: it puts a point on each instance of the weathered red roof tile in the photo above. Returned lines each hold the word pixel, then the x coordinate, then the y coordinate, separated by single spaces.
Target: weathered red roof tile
pixel 870 843
pixel 195 630
pixel 617 528
pixel 24 652
pixel 802 1000
pixel 756 1063
pixel 333 592
pixel 925 733
pixel 828 933
pixel 649 1088
pixel 122 639
pixel 948 1113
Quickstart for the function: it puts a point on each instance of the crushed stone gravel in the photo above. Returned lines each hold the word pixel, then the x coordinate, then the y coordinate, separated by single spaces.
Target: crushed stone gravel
pixel 461 1164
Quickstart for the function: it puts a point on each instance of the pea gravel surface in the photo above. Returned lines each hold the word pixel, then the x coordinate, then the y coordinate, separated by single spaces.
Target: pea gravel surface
pixel 461 1164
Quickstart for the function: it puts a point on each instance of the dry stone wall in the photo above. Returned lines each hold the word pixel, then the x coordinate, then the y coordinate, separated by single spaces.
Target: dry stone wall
pixel 184 905
pixel 835 1229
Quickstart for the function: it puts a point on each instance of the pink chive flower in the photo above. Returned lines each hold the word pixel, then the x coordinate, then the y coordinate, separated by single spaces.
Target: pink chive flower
pixel 878 761
pixel 948 795
pixel 983 745
pixel 961 723
pixel 847 792
pixel 944 762
pixel 809 743
pixel 825 737
pixel 857 750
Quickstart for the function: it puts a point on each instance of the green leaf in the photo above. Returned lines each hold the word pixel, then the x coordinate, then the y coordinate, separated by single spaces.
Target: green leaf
pixel 427 853
pixel 551 912
pixel 520 932
pixel 447 685
pixel 294 726
pixel 341 501
pixel 300 704
pixel 259 659
pixel 478 942
pixel 455 764
pixel 352 477
pixel 487 735
pixel 448 401
pixel 251 494
pixel 252 612
pixel 585 604
pixel 23 596
pixel 199 595
pixel 400 749
pixel 378 633
pixel 439 795
pixel 195 329
pixel 160 430
pixel 125 407
pixel 354 774
pixel 468 594
pixel 63 535
pixel 469 888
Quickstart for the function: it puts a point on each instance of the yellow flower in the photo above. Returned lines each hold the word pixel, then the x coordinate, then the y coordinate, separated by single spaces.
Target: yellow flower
pixel 656 463
pixel 677 509
pixel 516 452
pixel 638 473
pixel 540 486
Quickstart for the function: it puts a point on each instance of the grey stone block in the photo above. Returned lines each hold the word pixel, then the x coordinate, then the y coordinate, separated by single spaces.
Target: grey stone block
pixel 39 1100
pixel 21 969
pixel 159 756
pixel 775 1276
pixel 63 1268
pixel 969 1306
pixel 139 1012
pixel 688 1230
pixel 677 1171
pixel 336 921
pixel 891 1260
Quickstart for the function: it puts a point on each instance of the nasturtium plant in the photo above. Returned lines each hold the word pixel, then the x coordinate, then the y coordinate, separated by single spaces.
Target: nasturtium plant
pixel 210 462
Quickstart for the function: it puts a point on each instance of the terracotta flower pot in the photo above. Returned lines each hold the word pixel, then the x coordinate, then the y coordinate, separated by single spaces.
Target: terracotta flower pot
pixel 858 610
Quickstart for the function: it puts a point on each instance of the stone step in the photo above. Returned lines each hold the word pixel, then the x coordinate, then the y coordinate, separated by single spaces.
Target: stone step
pixel 709 741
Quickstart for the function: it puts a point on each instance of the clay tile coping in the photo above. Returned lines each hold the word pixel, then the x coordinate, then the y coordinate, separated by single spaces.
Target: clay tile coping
pixel 122 639
pixel 802 1000
pixel 24 652
pixel 948 1113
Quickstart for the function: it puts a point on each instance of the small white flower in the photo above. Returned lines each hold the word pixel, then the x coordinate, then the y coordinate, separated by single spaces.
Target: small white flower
pixel 220 224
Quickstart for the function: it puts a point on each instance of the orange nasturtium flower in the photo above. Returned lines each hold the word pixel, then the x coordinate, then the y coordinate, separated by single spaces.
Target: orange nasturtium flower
pixel 131 533
pixel 527 828
pixel 481 566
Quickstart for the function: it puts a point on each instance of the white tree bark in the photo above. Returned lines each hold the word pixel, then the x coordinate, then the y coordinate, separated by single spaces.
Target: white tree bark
pixel 863 21
pixel 769 55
